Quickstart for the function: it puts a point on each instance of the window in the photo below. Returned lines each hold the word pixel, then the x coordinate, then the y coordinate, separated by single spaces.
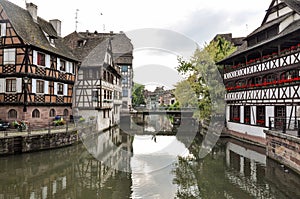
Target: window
pixel 9 56
pixel 35 113
pixel 60 90
pixel 125 80
pixel 52 113
pixel 62 65
pixel 260 115
pixel 3 29
pixel 66 112
pixel 247 115
pixel 11 85
pixel 12 114
pixel 125 93
pixel 41 59
pixel 124 69
pixel 235 113
pixel 95 96
pixel 40 86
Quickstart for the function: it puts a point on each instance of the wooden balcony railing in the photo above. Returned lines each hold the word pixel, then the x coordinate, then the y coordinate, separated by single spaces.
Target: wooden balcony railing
pixel 265 62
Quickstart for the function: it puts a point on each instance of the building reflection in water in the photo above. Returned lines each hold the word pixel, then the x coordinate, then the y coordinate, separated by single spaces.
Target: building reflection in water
pixel 69 172
pixel 233 170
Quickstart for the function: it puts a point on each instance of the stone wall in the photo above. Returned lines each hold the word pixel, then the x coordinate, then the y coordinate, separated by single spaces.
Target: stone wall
pixel 30 143
pixel 284 149
pixel 44 118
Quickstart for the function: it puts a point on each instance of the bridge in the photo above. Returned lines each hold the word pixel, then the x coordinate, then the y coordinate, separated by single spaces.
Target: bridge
pixel 182 111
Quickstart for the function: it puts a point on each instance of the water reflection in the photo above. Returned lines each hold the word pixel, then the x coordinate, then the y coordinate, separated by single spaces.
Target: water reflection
pixel 69 172
pixel 233 170
pixel 168 167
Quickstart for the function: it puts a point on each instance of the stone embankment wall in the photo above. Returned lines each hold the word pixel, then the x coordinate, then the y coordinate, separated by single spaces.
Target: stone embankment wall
pixel 284 148
pixel 31 143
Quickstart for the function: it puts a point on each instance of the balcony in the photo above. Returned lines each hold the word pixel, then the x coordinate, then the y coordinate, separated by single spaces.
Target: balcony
pixel 265 84
pixel 264 63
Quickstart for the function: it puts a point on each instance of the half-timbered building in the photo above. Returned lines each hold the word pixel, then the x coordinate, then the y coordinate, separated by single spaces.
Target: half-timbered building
pixel 98 88
pixel 37 71
pixel 263 76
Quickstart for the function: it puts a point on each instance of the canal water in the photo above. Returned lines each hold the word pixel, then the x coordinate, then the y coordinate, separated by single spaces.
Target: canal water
pixel 116 164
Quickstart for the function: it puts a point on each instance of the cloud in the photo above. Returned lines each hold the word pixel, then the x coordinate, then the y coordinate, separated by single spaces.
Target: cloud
pixel 204 24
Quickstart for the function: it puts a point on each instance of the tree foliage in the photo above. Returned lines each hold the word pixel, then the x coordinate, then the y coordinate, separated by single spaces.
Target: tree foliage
pixel 138 95
pixel 204 79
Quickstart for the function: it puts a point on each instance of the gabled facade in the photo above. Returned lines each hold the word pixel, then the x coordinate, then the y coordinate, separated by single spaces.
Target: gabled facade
pixel 98 88
pixel 122 55
pixel 37 71
pixel 263 76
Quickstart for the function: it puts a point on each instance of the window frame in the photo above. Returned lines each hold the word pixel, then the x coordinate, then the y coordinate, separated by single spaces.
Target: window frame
pixel 36 113
pixel 12 114
pixel 11 85
pixel 40 86
pixel 10 55
pixel 41 59
pixel 60 89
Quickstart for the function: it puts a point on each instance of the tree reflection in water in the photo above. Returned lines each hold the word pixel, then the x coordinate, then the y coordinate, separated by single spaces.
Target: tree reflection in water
pixel 193 175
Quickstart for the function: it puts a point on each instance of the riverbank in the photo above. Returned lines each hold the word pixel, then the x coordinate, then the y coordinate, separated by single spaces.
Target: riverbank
pixel 13 142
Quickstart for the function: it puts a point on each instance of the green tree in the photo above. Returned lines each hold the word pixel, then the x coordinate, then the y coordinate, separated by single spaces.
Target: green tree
pixel 138 95
pixel 204 77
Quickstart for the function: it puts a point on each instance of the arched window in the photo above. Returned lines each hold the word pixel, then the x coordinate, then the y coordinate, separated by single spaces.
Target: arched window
pixel 52 113
pixel 66 112
pixel 12 114
pixel 35 113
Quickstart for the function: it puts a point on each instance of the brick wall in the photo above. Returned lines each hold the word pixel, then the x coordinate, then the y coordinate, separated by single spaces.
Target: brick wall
pixel 284 148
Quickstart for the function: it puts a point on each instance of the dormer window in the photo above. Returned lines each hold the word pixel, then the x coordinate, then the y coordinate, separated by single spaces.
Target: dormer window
pixel 51 40
pixel 81 43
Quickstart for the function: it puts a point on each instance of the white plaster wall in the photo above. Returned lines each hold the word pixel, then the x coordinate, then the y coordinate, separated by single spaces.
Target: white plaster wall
pixel 247 153
pixel 227 109
pixel 35 57
pixel 242 108
pixel 270 110
pixel 289 111
pixel 46 87
pixel 33 85
pixel 2 85
pixel 246 129
pixel 253 114
pixel 285 23
pixel 47 61
pixel 19 85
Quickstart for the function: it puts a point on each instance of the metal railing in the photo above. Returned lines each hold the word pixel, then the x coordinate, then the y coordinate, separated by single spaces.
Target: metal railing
pixel 49 129
pixel 284 124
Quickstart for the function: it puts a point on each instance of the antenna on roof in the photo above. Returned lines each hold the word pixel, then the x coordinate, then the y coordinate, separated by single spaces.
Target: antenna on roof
pixel 76 19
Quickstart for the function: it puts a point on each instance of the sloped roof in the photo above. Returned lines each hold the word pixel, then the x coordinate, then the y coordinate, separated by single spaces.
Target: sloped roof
pixel 33 33
pixel 96 56
pixel 90 42
pixel 293 27
pixel 269 24
pixel 121 44
pixel 294 4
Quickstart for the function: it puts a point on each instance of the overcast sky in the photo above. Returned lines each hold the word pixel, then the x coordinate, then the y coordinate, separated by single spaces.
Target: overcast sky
pixel 160 30
pixel 197 19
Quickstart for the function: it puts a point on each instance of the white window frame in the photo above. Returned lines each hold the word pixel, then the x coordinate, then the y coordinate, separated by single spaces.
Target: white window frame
pixel 9 56
pixel 3 29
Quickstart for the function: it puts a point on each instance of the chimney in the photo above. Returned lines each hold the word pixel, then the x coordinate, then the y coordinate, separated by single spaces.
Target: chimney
pixel 32 9
pixel 57 26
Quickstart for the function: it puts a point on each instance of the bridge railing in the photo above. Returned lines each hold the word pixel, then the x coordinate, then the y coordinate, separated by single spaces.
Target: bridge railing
pixel 284 124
